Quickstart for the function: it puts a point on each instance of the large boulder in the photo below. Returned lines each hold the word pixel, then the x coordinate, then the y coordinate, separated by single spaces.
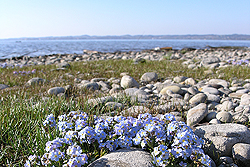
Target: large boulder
pixel 222 137
pixel 132 157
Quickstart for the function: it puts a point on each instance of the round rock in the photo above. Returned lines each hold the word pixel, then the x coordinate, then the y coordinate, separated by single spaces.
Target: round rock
pixel 56 90
pixel 149 77
pixel 241 154
pixel 224 117
pixel 129 82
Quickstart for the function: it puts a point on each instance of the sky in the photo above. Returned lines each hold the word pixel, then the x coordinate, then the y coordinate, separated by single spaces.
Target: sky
pixel 42 18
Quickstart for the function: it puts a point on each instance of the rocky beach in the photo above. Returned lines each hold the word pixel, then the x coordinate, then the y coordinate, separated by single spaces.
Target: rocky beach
pixel 217 110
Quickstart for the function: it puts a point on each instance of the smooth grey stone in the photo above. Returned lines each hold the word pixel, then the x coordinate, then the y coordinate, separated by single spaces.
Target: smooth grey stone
pixel 227 160
pixel 212 98
pixel 240 118
pixel 98 79
pixel 224 117
pixel 198 98
pixel 192 90
pixel 214 121
pixel 35 81
pixel 135 110
pixel 114 105
pixel 222 137
pixel 174 88
pixel 129 82
pixel 241 154
pixel 126 157
pixel 222 82
pixel 196 114
pixel 210 60
pixel 190 81
pixel 247 86
pixel 130 91
pixel 209 90
pixel 149 77
pixel 92 86
pixel 242 91
pixel 63 65
pixel 245 99
pixel 179 79
pixel 210 116
pixel 227 106
pixel 56 90
pixel 100 100
pixel 3 86
pixel 225 91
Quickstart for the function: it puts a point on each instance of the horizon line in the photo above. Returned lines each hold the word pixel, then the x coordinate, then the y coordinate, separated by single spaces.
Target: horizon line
pixel 125 35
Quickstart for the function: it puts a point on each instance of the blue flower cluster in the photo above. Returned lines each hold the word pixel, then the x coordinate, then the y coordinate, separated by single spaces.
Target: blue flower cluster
pixel 170 142
pixel 239 62
pixel 24 72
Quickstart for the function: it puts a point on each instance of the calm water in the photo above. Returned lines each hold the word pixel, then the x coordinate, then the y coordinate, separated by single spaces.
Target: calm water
pixel 12 48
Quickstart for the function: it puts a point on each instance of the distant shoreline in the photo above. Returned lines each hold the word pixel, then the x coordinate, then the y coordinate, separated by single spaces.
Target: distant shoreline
pixel 187 37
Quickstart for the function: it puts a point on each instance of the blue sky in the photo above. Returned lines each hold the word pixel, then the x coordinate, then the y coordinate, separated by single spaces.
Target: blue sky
pixel 39 18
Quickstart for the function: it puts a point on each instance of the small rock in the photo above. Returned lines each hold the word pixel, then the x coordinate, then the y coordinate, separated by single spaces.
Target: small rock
pixel 174 89
pixel 241 154
pixel 129 82
pixel 149 77
pixel 3 86
pixel 56 90
pixel 126 157
pixel 198 98
pixel 35 81
pixel 214 121
pixel 63 65
pixel 224 117
pixel 196 114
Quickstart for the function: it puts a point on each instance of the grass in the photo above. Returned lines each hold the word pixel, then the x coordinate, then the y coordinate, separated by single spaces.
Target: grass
pixel 23 109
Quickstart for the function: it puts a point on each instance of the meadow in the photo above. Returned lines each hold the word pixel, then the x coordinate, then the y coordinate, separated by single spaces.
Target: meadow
pixel 23 108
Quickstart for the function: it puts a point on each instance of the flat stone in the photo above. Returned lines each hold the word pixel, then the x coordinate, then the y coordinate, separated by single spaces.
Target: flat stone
pixel 210 60
pixel 173 88
pixel 210 90
pixel 196 114
pixel 214 121
pixel 92 86
pixel 63 65
pixel 222 82
pixel 198 98
pixel 3 86
pixel 35 81
pixel 132 157
pixel 236 95
pixel 222 137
